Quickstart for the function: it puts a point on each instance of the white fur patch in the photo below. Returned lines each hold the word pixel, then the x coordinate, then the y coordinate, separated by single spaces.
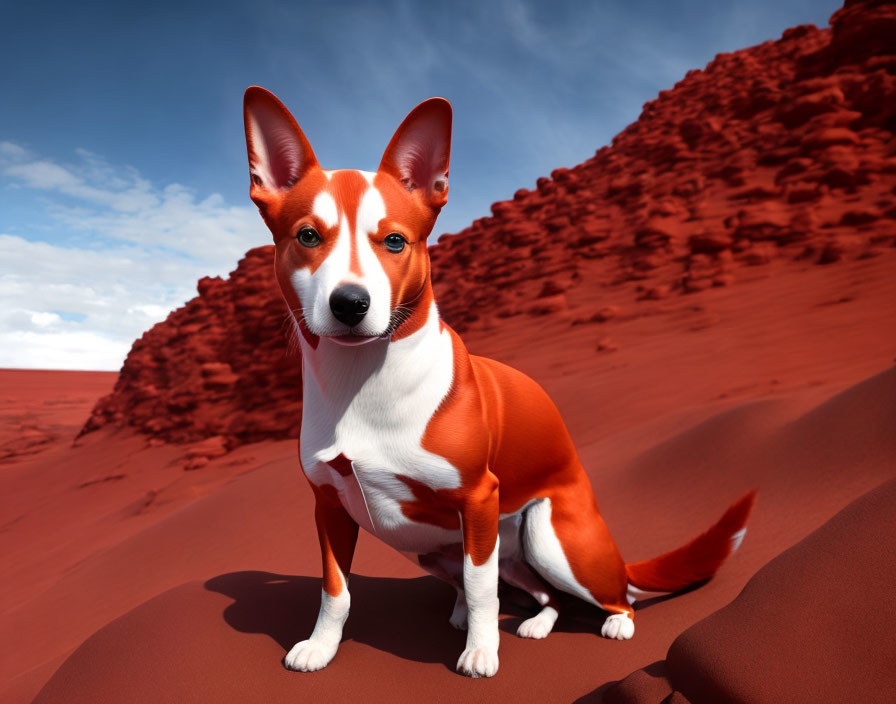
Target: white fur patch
pixel 372 404
pixel 618 626
pixel 480 657
pixel 316 652
pixel 633 594
pixel 737 539
pixel 540 625
pixel 325 208
pixel 371 210
pixel 545 554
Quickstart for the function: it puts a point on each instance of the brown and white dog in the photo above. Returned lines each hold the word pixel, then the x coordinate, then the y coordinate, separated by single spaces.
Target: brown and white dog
pixel 459 461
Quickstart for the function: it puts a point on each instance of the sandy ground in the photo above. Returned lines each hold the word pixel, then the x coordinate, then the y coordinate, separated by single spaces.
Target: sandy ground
pixel 128 578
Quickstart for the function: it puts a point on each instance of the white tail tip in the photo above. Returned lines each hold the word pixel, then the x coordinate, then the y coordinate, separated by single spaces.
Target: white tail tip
pixel 737 539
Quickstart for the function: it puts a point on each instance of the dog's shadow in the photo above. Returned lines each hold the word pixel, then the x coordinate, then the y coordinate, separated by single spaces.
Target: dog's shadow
pixel 405 617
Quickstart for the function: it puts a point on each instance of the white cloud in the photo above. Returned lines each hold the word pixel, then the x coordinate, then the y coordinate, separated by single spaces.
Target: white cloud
pixel 44 320
pixel 78 349
pixel 80 307
pixel 110 296
pixel 12 151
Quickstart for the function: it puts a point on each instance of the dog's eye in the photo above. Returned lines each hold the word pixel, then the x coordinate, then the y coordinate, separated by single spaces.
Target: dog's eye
pixel 308 237
pixel 395 242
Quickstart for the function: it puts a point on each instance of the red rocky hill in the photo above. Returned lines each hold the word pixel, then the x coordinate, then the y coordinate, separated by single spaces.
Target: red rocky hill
pixel 209 370
pixel 780 152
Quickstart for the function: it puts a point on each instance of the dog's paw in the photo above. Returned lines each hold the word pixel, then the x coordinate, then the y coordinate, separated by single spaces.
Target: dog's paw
pixel 459 617
pixel 478 662
pixel 540 625
pixel 618 626
pixel 308 656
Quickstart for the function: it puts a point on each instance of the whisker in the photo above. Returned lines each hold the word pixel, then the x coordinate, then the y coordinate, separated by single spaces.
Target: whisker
pixel 402 312
pixel 290 330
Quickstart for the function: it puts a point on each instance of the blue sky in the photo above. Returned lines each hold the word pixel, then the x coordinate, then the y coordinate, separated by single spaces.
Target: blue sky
pixel 123 172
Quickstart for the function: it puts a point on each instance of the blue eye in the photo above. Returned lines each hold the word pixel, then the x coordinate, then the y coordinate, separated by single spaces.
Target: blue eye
pixel 308 237
pixel 395 242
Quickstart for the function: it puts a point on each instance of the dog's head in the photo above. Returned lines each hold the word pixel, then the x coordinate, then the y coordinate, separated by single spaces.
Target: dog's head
pixel 351 254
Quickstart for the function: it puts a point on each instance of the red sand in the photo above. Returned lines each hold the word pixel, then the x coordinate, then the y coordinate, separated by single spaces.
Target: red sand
pixel 764 383
pixel 38 408
pixel 821 606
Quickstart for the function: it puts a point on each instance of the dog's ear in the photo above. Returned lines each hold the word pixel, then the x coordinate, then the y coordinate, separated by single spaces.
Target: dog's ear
pixel 419 151
pixel 279 152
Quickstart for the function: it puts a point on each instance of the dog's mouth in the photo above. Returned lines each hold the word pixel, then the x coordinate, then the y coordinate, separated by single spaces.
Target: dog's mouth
pixel 351 340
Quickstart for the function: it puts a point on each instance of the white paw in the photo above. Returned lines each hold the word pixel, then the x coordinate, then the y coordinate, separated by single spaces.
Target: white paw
pixel 459 617
pixel 478 662
pixel 538 626
pixel 533 628
pixel 309 656
pixel 618 626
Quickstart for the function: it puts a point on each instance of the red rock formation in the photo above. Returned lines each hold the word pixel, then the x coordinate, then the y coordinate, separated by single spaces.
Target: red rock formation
pixel 218 368
pixel 784 151
pixel 781 151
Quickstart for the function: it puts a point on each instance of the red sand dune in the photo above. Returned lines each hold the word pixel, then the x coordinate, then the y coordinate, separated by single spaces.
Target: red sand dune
pixel 835 587
pixel 131 579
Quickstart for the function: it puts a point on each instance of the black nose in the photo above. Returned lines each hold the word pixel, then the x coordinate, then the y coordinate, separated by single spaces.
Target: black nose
pixel 349 303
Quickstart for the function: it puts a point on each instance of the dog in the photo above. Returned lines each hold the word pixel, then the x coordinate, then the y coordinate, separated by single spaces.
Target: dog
pixel 459 461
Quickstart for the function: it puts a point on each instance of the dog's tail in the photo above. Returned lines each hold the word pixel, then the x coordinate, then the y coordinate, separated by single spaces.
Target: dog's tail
pixel 697 561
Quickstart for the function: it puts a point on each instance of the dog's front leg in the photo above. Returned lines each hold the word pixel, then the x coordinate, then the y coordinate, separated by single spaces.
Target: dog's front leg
pixel 338 534
pixel 479 518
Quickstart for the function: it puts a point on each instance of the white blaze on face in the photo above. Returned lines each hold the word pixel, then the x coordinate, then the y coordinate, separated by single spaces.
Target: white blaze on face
pixel 371 210
pixel 314 290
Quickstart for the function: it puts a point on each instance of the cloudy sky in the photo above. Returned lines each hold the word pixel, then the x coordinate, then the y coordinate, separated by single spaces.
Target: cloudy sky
pixel 123 174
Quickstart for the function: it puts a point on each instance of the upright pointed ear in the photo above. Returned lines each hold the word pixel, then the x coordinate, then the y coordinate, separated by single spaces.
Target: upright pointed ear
pixel 279 152
pixel 419 151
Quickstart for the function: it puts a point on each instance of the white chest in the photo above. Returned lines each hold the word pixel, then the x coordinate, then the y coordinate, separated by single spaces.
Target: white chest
pixel 365 412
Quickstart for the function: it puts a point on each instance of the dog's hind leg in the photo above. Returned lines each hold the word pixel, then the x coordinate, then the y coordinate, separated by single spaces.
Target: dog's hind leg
pixel 447 566
pixel 513 570
pixel 518 574
pixel 461 611
pixel 567 542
